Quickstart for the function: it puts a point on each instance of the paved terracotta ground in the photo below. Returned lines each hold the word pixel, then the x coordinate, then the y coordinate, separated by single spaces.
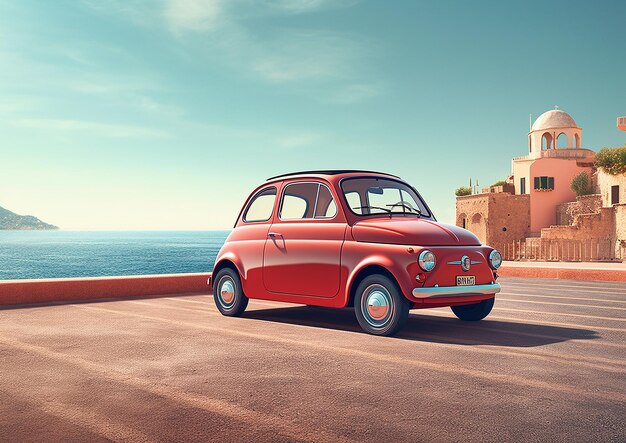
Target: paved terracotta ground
pixel 549 364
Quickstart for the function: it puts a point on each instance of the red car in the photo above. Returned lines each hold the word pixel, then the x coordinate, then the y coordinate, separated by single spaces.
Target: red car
pixel 352 238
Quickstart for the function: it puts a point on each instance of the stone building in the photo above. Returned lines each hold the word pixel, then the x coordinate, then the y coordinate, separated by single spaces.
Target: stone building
pixel 495 217
pixel 537 204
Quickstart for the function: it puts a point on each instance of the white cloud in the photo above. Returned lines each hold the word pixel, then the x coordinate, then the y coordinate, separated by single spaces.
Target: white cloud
pixel 228 33
pixel 355 93
pixel 294 141
pixel 11 104
pixel 101 129
pixel 138 12
pixel 280 56
pixel 304 6
pixel 191 15
pixel 297 56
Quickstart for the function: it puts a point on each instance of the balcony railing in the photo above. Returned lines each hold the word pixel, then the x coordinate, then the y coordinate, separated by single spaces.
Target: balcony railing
pixel 567 153
pixel 559 153
pixel 563 250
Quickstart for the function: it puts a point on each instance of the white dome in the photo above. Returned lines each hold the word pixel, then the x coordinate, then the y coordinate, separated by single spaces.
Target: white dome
pixel 554 119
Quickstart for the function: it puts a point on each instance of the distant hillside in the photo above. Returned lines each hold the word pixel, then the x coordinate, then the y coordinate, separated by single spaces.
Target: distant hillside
pixel 11 220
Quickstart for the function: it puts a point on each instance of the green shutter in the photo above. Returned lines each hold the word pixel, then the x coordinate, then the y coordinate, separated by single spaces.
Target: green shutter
pixel 550 182
pixel 537 185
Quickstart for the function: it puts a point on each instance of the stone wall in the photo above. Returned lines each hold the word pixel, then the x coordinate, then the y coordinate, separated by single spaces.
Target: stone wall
pixel 600 225
pixel 471 214
pixel 587 204
pixel 496 218
pixel 508 219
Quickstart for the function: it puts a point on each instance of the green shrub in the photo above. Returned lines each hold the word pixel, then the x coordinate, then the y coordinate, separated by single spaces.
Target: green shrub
pixel 612 160
pixel 463 190
pixel 581 184
pixel 499 183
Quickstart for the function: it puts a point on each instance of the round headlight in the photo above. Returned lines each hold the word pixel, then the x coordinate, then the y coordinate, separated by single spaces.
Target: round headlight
pixel 495 259
pixel 427 260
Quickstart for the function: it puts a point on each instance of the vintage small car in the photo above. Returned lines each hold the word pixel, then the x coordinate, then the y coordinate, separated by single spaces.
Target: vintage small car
pixel 352 239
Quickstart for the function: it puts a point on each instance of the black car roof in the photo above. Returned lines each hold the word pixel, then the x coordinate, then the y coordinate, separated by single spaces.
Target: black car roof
pixel 330 172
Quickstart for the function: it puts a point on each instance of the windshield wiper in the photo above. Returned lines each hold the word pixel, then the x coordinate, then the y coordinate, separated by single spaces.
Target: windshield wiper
pixel 411 209
pixel 387 211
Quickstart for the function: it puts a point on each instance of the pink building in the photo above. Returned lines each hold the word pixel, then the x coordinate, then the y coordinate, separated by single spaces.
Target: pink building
pixel 535 215
pixel 555 157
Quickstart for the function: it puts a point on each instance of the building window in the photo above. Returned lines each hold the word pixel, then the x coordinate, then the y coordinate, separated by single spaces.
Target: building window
pixel 544 183
pixel 615 195
pixel 522 185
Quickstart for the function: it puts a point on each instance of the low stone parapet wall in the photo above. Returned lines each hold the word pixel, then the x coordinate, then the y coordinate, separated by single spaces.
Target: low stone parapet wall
pixel 563 273
pixel 25 292
pixel 16 292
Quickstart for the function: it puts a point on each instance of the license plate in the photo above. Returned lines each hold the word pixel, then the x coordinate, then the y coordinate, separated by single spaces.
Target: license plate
pixel 465 280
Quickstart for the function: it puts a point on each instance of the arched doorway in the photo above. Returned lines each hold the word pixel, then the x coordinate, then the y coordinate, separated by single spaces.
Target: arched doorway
pixel 478 226
pixel 561 141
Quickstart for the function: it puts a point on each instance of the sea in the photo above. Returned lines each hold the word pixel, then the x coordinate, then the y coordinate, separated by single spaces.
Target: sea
pixel 58 254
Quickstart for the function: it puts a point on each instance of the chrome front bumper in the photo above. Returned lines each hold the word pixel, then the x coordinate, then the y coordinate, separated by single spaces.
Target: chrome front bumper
pixel 456 291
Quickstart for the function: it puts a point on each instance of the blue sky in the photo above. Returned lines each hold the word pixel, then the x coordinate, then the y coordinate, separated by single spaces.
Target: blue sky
pixel 165 114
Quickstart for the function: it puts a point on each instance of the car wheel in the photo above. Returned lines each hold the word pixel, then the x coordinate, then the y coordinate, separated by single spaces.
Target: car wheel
pixel 227 293
pixel 380 307
pixel 474 312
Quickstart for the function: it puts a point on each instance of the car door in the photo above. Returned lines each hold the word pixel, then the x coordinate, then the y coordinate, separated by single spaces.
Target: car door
pixel 302 253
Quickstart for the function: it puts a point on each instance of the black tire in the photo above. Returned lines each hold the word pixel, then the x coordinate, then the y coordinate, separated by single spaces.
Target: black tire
pixel 228 294
pixel 369 305
pixel 474 312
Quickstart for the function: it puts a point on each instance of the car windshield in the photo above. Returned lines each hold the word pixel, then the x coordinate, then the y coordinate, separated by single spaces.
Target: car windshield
pixel 377 195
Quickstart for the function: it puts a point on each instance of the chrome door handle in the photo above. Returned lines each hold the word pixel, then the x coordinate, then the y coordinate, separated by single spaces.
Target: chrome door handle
pixel 274 234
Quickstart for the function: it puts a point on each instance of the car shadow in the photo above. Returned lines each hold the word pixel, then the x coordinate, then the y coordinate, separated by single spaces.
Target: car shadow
pixel 430 328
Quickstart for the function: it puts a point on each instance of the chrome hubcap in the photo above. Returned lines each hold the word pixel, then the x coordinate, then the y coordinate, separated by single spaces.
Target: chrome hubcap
pixel 376 305
pixel 227 292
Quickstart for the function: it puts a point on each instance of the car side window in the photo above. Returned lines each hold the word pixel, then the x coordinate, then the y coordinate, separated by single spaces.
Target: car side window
pixel 354 201
pixel 325 207
pixel 298 201
pixel 294 207
pixel 261 206
pixel 306 201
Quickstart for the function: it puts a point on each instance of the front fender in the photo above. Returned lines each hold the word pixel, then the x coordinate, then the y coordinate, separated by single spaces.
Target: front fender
pixel 395 259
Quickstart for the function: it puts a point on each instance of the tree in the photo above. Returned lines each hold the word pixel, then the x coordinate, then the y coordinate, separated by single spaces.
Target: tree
pixel 463 190
pixel 499 183
pixel 613 161
pixel 581 184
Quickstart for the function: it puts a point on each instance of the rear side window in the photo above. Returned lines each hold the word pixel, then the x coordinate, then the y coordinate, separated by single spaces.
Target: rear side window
pixel 294 207
pixel 298 201
pixel 307 200
pixel 261 206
